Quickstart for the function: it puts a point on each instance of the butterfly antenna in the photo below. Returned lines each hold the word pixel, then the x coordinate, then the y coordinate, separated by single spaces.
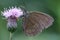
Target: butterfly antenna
pixel 24 4
pixel 25 9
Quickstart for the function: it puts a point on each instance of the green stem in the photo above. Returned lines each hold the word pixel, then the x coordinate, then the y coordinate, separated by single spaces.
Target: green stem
pixel 10 36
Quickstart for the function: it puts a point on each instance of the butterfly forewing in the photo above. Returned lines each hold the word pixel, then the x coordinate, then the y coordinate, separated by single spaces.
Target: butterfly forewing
pixel 36 22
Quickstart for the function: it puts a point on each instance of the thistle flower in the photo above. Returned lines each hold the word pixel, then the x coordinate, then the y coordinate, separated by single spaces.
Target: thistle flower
pixel 14 11
pixel 11 15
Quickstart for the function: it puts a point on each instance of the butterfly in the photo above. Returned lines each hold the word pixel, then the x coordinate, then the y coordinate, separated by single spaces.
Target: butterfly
pixel 35 22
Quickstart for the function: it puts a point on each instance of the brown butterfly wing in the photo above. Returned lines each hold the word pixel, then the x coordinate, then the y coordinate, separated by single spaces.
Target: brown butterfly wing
pixel 36 22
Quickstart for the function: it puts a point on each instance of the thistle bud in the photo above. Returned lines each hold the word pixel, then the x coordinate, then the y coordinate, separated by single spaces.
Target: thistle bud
pixel 12 24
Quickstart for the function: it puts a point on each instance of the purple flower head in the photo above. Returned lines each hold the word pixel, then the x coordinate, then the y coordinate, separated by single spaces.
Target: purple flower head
pixel 14 11
pixel 11 15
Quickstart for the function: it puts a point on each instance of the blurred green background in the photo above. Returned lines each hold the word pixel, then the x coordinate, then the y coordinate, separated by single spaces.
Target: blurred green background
pixel 51 7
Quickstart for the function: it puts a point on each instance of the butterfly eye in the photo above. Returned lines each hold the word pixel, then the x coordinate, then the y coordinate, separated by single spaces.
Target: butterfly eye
pixel 21 16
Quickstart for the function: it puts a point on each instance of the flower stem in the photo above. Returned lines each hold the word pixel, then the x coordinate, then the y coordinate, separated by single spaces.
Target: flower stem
pixel 10 36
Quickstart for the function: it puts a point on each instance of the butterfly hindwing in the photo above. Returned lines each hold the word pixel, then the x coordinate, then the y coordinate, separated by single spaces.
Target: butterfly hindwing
pixel 36 22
